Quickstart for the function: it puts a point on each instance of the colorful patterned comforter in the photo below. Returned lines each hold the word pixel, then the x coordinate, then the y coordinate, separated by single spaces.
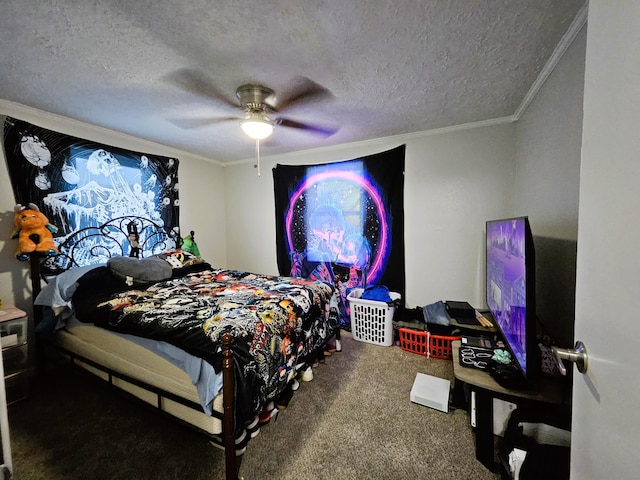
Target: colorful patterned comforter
pixel 277 322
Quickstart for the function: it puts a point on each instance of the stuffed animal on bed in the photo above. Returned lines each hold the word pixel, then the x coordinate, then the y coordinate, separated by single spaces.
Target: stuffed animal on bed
pixel 33 231
pixel 189 244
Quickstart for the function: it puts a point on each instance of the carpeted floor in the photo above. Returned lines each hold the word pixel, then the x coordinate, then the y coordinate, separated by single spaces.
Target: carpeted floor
pixel 354 420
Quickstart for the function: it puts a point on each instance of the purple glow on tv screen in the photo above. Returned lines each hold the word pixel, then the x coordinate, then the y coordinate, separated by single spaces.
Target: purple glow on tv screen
pixel 507 282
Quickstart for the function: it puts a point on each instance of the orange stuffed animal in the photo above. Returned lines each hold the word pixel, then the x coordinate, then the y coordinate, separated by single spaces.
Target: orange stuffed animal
pixel 33 231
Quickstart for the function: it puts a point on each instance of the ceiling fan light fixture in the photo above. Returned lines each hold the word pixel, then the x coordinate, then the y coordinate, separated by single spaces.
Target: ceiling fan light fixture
pixel 256 125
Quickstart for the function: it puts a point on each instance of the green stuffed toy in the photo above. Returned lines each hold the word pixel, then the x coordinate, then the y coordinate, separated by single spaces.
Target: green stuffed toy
pixel 189 245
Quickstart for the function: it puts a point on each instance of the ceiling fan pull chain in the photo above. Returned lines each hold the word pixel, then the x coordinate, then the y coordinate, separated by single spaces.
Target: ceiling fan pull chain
pixel 257 165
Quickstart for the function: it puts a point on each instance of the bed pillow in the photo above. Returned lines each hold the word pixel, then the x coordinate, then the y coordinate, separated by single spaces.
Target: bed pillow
pixel 139 271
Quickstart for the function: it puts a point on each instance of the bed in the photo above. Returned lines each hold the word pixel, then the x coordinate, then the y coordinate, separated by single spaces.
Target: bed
pixel 213 348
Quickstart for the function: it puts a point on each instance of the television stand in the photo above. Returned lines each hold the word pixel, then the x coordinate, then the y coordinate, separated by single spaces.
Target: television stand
pixel 548 391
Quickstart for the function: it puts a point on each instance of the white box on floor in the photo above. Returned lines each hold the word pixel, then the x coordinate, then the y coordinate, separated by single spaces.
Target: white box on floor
pixel 431 392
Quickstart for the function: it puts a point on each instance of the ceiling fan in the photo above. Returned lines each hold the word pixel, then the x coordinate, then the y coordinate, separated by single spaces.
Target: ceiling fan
pixel 259 103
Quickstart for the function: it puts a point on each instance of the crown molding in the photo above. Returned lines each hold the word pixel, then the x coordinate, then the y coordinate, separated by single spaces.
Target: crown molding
pixel 561 48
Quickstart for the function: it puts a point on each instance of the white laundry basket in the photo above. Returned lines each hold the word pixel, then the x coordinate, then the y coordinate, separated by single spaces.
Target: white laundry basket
pixel 372 321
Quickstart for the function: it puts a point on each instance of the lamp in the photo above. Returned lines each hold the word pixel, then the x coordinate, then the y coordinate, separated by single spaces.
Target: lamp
pixel 256 125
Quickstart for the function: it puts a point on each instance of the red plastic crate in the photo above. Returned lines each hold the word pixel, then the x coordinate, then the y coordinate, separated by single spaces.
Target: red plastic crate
pixel 424 343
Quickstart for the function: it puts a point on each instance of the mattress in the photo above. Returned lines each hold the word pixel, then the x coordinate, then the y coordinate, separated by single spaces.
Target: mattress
pixel 123 356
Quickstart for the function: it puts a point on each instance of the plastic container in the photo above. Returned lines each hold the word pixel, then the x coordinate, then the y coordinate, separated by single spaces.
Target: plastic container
pixel 424 343
pixel 372 321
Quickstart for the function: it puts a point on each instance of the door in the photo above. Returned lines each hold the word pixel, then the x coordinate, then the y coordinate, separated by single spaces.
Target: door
pixel 606 400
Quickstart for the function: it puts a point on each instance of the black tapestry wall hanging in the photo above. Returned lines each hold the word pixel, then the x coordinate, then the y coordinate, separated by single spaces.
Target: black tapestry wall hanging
pixel 343 223
pixel 78 183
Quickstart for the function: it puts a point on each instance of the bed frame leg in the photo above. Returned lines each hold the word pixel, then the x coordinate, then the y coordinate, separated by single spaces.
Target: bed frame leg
pixel 228 402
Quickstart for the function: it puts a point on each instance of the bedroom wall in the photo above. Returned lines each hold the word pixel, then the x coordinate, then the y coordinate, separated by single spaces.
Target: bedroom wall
pixel 548 151
pixel 454 182
pixel 548 144
pixel 202 198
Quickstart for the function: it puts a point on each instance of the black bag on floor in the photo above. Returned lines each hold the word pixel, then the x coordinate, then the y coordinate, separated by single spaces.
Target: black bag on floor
pixel 548 456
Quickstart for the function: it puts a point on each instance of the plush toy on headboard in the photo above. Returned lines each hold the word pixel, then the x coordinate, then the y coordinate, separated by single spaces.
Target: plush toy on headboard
pixel 33 231
pixel 189 244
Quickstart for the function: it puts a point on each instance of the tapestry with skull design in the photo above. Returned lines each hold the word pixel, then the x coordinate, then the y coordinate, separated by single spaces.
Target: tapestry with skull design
pixel 79 183
pixel 343 223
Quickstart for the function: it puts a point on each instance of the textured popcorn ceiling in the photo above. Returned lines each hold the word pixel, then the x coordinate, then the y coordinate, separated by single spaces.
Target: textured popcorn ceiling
pixel 393 66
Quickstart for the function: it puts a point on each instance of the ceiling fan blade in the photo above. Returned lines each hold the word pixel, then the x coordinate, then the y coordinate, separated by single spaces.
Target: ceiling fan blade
pixel 193 123
pixel 303 90
pixel 197 83
pixel 315 129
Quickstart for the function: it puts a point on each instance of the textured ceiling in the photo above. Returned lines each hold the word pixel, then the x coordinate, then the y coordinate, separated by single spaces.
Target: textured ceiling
pixel 392 66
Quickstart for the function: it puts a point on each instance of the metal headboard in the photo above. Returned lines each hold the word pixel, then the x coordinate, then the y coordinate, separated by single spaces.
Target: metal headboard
pixel 123 236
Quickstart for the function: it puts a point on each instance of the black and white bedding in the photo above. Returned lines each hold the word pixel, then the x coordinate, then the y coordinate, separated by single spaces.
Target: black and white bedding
pixel 278 323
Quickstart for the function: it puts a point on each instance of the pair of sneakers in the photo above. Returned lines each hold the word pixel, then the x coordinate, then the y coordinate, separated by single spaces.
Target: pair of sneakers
pixel 336 347
pixel 328 350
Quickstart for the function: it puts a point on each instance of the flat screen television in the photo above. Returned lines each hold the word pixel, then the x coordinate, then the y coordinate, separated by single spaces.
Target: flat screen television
pixel 510 269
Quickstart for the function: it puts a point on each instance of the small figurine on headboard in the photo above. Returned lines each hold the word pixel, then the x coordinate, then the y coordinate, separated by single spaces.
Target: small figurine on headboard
pixel 33 231
pixel 134 239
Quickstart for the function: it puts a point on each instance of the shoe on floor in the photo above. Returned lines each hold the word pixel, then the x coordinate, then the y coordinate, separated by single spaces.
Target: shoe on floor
pixel 321 358
pixel 267 413
pixel 307 375
pixel 284 398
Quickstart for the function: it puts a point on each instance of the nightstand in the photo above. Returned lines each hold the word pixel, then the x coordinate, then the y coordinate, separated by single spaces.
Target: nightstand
pixel 13 338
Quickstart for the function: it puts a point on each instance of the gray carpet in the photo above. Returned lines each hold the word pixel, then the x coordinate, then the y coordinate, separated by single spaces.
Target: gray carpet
pixel 354 420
